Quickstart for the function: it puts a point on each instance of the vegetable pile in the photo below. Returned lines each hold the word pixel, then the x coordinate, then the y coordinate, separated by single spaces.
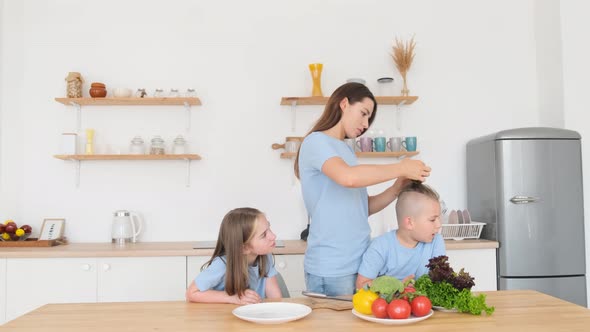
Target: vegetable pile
pixel 388 297
pixel 451 290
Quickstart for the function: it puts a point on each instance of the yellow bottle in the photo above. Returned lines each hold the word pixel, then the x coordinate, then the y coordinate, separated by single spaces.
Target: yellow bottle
pixel 89 141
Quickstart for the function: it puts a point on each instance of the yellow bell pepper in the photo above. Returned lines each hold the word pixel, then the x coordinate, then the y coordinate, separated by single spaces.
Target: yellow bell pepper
pixel 363 300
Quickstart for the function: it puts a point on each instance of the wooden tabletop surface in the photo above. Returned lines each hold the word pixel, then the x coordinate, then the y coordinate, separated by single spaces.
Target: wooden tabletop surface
pixel 519 311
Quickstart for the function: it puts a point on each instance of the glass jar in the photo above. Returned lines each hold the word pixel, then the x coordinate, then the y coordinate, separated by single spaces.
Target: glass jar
pixel 157 146
pixel 385 86
pixel 173 93
pixel 137 146
pixel 191 93
pixel 179 146
pixel 159 93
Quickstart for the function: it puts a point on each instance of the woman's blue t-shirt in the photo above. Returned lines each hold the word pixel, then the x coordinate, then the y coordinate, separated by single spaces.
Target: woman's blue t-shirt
pixel 339 231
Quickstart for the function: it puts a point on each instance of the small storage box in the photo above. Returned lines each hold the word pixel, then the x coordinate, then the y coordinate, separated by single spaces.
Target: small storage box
pixel 462 231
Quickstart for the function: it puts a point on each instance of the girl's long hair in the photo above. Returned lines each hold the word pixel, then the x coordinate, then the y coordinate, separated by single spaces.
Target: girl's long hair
pixel 236 230
pixel 355 92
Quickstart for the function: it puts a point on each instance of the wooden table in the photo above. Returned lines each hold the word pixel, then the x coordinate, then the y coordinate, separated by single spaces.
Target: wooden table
pixel 520 311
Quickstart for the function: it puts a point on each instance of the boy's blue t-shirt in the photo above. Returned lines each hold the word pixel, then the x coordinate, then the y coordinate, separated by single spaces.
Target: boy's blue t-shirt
pixel 386 256
pixel 213 277
pixel 339 232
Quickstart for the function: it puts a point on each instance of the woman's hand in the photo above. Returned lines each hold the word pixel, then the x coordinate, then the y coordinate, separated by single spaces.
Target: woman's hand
pixel 249 297
pixel 415 169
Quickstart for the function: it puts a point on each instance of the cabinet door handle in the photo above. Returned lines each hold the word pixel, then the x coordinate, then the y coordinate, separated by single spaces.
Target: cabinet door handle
pixel 282 265
pixel 86 267
pixel 106 267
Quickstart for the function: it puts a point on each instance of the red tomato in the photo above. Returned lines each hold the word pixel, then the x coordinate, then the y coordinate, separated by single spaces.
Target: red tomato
pixel 399 309
pixel 421 306
pixel 379 308
pixel 407 290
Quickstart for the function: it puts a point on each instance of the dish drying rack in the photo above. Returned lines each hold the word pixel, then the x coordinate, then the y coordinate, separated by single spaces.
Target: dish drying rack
pixel 471 230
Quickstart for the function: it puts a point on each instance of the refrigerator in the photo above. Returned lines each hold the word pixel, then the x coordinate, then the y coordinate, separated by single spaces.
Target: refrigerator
pixel 526 184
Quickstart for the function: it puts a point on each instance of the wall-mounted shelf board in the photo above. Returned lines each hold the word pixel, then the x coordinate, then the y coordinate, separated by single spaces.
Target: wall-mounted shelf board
pixel 290 155
pixel 129 157
pixel 129 101
pixel 381 100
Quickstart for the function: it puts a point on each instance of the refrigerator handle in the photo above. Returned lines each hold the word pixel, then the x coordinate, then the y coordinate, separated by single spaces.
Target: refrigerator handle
pixel 518 199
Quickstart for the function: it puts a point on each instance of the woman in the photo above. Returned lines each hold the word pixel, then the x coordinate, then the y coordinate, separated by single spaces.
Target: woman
pixel 334 190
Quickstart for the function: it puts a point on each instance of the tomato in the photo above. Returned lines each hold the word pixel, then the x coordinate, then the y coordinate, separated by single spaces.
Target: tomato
pixel 398 309
pixel 362 301
pixel 408 290
pixel 379 308
pixel 421 306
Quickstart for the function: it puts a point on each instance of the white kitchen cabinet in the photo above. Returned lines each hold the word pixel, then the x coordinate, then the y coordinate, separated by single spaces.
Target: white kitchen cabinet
pixel 193 267
pixel 291 268
pixel 134 279
pixel 34 282
pixel 480 263
pixel 2 290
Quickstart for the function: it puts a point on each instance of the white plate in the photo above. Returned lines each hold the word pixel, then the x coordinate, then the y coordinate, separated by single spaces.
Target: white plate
pixel 443 309
pixel 388 321
pixel 272 312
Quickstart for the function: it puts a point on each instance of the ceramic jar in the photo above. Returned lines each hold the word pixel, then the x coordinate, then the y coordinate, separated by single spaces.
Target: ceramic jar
pixel 98 90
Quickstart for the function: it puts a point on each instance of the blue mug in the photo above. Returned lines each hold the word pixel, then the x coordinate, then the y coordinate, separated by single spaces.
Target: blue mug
pixel 410 143
pixel 379 144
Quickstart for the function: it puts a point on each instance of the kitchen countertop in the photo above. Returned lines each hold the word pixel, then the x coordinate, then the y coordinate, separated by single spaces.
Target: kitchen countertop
pixel 154 249
pixel 516 310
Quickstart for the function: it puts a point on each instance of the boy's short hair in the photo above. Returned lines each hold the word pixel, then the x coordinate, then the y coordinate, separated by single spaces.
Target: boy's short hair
pixel 403 201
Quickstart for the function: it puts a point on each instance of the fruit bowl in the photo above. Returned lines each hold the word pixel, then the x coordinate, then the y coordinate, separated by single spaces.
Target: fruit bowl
pixel 21 238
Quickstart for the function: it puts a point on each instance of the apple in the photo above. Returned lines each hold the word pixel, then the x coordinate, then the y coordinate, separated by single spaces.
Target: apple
pixel 14 237
pixel 2 226
pixel 27 229
pixel 10 229
pixel 11 223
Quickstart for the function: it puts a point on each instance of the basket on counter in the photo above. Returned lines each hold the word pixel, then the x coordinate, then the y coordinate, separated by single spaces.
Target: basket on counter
pixel 462 231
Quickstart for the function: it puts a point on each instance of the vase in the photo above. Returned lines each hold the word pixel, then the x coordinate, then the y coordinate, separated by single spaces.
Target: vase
pixel 405 91
pixel 316 75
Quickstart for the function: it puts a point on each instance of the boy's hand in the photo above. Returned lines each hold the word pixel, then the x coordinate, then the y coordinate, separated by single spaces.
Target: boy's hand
pixel 408 279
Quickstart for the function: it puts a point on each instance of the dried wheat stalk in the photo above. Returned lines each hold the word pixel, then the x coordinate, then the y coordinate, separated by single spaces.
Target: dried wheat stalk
pixel 403 55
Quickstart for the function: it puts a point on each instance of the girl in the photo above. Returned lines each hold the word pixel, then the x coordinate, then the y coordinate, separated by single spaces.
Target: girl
pixel 241 269
pixel 334 190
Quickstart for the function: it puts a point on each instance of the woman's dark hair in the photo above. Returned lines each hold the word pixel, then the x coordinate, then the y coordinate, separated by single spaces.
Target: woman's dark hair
pixel 355 93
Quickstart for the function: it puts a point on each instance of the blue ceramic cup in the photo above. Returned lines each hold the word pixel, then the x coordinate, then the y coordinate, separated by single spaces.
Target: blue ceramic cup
pixel 379 144
pixel 410 143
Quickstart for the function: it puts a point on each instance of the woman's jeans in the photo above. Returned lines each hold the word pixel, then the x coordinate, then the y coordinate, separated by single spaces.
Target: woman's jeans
pixel 331 286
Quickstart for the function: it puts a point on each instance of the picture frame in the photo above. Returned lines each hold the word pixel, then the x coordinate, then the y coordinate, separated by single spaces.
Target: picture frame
pixel 52 229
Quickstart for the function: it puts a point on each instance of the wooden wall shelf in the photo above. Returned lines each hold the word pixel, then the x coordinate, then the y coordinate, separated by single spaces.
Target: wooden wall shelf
pixel 129 157
pixel 129 101
pixel 290 155
pixel 381 100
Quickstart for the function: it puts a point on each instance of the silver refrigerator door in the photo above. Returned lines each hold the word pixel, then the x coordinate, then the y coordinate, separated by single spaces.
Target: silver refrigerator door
pixel 540 208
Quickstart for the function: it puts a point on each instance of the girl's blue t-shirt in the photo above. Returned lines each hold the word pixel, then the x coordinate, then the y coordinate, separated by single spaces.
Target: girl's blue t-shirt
pixel 339 232
pixel 213 277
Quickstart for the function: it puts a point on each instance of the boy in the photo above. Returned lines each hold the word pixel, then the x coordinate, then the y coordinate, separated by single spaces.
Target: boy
pixel 405 252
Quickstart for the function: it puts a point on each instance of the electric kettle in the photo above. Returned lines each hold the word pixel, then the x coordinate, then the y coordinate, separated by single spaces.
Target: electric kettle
pixel 126 227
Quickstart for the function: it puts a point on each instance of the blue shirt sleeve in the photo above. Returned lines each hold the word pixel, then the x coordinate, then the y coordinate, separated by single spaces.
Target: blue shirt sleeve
pixel 318 150
pixel 212 276
pixel 373 260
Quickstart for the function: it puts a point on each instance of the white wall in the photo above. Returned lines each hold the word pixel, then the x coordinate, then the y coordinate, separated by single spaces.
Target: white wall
pixel 576 71
pixel 475 61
